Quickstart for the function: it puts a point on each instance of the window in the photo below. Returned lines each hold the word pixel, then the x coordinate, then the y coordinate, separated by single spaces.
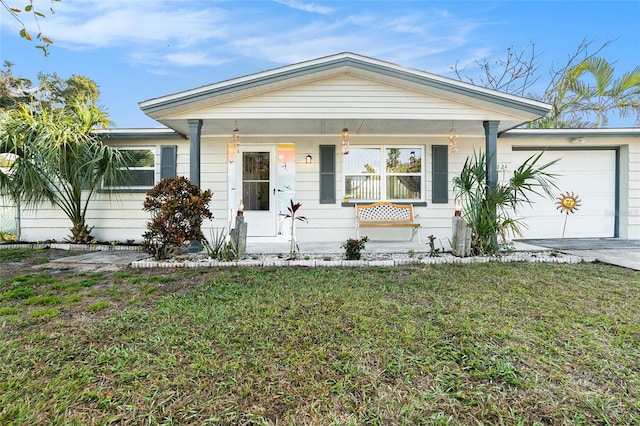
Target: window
pixel 141 163
pixel 386 173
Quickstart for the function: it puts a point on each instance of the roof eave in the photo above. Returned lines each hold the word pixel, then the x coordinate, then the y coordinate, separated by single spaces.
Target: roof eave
pixel 592 132
pixel 150 133
pixel 154 107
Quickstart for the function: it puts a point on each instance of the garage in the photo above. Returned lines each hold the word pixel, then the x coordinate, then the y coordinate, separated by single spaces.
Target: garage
pixel 588 173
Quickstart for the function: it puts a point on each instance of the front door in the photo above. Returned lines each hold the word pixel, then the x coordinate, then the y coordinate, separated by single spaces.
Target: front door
pixel 257 175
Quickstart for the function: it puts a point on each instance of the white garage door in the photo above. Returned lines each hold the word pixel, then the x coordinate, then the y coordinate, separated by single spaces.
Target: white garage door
pixel 590 174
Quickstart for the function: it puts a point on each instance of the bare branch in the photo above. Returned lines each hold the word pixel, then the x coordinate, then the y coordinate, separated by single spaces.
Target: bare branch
pixel 515 74
pixel 579 55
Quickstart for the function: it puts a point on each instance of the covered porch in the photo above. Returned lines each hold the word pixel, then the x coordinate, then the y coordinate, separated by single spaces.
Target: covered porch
pixel 306 106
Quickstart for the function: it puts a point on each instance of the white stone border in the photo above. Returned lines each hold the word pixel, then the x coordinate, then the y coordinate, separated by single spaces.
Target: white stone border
pixel 71 246
pixel 537 257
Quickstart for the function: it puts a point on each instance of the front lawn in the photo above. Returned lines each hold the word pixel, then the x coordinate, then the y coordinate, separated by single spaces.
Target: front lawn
pixel 448 344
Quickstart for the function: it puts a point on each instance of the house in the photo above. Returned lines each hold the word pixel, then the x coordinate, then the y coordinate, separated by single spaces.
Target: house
pixel 346 129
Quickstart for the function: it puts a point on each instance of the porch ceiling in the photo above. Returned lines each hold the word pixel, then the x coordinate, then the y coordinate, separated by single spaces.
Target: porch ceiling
pixel 258 127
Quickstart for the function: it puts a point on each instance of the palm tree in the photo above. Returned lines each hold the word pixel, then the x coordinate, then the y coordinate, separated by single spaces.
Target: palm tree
pixel 608 94
pixel 563 103
pixel 57 157
pixel 589 91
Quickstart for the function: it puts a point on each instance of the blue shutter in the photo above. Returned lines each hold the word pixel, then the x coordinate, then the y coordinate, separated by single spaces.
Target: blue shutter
pixel 168 155
pixel 440 173
pixel 327 174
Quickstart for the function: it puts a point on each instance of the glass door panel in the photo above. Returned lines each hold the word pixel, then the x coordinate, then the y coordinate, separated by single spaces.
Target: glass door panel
pixel 257 176
pixel 256 180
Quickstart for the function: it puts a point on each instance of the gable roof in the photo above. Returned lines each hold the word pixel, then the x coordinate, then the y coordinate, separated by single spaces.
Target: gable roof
pixel 516 110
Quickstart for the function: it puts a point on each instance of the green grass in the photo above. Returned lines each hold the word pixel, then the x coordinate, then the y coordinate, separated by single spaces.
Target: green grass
pixel 9 311
pixel 47 313
pixel 17 292
pixel 16 255
pixel 33 257
pixel 98 306
pixel 43 300
pixel 448 344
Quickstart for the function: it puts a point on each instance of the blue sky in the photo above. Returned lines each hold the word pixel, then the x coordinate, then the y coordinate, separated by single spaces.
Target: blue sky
pixel 142 49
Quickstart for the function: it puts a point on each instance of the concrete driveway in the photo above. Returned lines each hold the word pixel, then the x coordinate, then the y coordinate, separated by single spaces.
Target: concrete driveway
pixel 615 251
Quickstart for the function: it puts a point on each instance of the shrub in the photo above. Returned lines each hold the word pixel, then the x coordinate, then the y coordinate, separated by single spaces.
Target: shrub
pixel 353 247
pixel 6 236
pixel 488 211
pixel 177 208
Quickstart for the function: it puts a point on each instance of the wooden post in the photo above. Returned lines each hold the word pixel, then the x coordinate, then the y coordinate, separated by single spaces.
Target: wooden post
pixel 240 236
pixel 461 240
pixel 467 241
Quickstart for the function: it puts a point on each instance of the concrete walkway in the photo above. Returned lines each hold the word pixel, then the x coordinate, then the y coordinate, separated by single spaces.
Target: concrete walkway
pixel 99 260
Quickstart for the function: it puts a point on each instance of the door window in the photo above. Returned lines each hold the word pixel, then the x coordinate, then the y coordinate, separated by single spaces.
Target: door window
pixel 255 180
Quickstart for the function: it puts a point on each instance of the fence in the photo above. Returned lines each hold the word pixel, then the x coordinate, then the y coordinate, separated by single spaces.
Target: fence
pixel 9 217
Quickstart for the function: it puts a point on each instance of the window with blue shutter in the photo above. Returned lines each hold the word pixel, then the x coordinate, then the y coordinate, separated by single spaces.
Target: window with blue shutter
pixel 168 157
pixel 327 174
pixel 440 174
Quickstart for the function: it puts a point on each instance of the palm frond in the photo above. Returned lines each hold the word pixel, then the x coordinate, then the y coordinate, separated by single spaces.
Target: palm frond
pixel 58 157
pixel 487 210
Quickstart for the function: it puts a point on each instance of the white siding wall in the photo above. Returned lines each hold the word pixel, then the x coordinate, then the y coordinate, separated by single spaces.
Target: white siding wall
pixel 122 218
pixel 344 96
pixel 333 222
pixel 213 176
pixel 118 218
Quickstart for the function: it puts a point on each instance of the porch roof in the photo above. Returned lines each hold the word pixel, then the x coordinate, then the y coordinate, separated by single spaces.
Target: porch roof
pixel 176 109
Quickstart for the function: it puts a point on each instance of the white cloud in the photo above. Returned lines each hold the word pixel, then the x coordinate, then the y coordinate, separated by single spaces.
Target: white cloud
pixel 90 24
pixel 306 7
pixel 165 33
pixel 165 59
pixel 425 39
pixel 194 59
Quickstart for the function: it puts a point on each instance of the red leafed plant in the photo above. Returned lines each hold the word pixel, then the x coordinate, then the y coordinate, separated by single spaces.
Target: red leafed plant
pixel 293 210
pixel 177 208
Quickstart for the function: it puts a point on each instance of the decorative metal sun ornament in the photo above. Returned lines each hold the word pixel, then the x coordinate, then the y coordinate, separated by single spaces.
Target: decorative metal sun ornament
pixel 568 203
